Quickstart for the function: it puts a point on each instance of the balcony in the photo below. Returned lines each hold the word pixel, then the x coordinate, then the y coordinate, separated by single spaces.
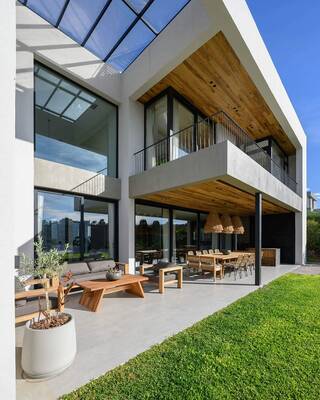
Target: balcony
pixel 204 134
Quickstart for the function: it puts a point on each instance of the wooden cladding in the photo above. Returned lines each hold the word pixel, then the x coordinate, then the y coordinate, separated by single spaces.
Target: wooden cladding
pixel 215 196
pixel 213 79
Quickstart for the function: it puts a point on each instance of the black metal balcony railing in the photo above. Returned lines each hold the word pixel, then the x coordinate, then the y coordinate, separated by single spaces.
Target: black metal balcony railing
pixel 208 132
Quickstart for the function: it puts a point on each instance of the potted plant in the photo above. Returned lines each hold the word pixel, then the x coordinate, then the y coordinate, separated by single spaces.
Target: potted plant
pixel 49 343
pixel 113 274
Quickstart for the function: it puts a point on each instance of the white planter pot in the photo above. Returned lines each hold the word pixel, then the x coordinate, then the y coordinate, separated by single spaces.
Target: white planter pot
pixel 47 352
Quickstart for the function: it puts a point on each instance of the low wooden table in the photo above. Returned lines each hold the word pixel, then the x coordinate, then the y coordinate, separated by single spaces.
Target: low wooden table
pixel 94 290
pixel 178 269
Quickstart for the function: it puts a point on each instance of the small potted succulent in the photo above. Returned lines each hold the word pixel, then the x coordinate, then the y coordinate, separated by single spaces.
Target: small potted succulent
pixel 113 274
pixel 49 343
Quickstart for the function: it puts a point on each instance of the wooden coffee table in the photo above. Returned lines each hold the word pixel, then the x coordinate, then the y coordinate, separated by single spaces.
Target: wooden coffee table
pixel 94 290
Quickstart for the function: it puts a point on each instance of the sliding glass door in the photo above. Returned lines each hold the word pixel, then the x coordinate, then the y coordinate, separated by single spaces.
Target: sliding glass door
pixel 88 226
pixel 184 235
pixel 151 233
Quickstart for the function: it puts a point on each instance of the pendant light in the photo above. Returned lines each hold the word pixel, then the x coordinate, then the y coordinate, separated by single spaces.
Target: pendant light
pixel 227 224
pixel 237 225
pixel 213 224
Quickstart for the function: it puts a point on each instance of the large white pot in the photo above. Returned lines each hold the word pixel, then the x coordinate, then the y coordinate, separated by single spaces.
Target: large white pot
pixel 47 352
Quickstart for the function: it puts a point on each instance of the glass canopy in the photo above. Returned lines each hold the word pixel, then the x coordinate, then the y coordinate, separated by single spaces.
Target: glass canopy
pixel 116 31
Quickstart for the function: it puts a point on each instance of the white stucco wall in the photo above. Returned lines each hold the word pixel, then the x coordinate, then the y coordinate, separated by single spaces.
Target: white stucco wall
pixel 130 140
pixel 7 198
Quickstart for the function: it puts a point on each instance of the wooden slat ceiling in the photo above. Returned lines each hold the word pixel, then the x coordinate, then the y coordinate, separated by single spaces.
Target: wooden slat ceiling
pixel 213 79
pixel 214 196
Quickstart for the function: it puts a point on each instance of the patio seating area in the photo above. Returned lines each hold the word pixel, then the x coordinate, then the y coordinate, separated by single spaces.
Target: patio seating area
pixel 126 325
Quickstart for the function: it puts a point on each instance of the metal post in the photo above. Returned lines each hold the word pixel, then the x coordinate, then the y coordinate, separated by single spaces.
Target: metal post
pixel 258 223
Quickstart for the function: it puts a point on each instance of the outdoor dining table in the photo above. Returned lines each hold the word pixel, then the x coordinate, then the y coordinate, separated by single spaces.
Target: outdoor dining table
pixel 144 253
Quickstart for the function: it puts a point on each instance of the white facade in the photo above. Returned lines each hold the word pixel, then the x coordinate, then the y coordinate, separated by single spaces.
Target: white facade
pixel 20 172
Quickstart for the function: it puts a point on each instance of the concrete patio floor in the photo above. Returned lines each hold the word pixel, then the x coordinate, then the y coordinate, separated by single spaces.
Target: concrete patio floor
pixel 127 325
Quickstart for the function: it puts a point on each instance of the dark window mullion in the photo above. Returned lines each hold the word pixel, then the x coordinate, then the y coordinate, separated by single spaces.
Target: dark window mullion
pixel 69 104
pixel 137 14
pixel 62 13
pixel 131 26
pixel 96 22
pixel 51 95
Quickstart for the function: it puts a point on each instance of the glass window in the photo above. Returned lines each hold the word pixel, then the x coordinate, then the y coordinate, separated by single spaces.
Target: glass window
pixel 90 232
pixel 49 10
pixel 207 240
pixel 99 238
pixel 161 12
pixel 115 21
pixel 183 128
pixel 57 220
pixel 156 131
pixel 79 17
pixel 152 233
pixel 184 234
pixel 138 5
pixel 130 48
pixel 73 126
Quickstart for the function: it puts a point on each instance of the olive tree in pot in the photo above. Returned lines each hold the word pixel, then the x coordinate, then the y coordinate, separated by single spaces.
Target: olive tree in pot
pixel 49 342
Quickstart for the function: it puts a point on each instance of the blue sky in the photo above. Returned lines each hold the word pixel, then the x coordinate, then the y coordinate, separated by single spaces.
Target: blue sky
pixel 291 32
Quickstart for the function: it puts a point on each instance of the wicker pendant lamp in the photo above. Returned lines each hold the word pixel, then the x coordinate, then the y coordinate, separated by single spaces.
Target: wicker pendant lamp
pixel 227 224
pixel 213 224
pixel 237 225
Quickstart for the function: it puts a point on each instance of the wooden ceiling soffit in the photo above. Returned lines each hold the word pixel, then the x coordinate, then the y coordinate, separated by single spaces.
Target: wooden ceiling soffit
pixel 213 79
pixel 214 196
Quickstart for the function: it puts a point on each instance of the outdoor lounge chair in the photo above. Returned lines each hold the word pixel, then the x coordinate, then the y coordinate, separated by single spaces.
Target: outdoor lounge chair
pixel 163 273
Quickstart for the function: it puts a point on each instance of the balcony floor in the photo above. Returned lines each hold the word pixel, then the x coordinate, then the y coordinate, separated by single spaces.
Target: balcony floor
pixel 127 326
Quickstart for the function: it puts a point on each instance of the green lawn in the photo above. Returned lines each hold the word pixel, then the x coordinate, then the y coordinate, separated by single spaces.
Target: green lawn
pixel 264 346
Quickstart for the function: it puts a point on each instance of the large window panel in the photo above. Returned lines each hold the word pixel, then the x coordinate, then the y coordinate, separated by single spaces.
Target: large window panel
pixel 114 23
pixel 151 233
pixel 183 128
pixel 79 17
pixel 156 132
pixel 87 225
pixel 184 234
pixel 207 240
pixel 99 219
pixel 72 125
pixel 57 220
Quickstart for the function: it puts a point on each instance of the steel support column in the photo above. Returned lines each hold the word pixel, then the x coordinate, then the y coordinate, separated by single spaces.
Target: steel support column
pixel 258 234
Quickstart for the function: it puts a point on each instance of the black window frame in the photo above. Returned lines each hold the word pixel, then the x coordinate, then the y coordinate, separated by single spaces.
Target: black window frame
pixel 90 90
pixel 171 208
pixel 81 227
pixel 171 94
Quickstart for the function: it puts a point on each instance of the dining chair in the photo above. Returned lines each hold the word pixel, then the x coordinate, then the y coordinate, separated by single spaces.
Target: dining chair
pixel 211 251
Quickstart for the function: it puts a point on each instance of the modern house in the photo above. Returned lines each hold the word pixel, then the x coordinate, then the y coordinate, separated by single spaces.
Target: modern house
pixel 311 201
pixel 125 123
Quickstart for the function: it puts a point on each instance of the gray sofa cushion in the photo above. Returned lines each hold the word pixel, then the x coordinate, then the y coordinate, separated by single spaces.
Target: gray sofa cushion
pixel 99 266
pixel 32 305
pixel 78 268
pixel 86 277
pixel 162 264
pixel 19 288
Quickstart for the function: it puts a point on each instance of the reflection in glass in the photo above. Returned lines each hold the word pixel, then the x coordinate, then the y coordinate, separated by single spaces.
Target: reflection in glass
pixel 156 131
pixel 184 234
pixel 90 232
pixel 207 240
pixel 72 126
pixel 98 229
pixel 152 233
pixel 183 128
pixel 57 220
